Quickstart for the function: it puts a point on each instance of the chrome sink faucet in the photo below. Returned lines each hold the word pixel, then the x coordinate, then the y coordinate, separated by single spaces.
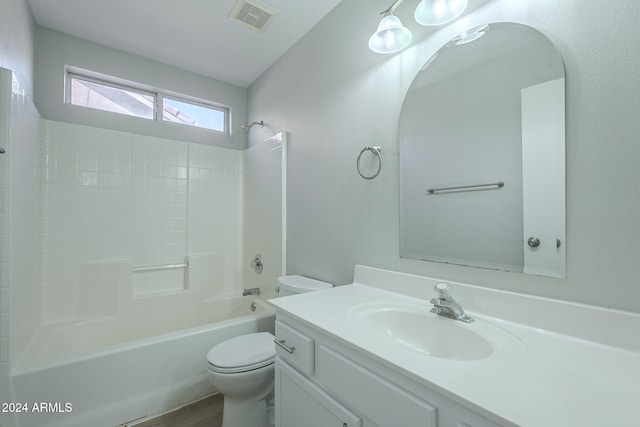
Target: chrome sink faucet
pixel 252 291
pixel 445 305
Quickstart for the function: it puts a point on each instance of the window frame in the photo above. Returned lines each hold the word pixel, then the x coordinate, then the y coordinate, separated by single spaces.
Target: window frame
pixel 158 96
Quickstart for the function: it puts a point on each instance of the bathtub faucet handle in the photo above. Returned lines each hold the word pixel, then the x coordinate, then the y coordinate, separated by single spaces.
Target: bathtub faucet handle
pixel 256 263
pixel 252 291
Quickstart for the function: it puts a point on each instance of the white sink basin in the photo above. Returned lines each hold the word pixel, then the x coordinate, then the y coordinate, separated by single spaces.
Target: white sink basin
pixel 414 328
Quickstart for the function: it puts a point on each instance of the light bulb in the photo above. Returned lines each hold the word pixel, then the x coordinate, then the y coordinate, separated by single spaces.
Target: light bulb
pixel 390 36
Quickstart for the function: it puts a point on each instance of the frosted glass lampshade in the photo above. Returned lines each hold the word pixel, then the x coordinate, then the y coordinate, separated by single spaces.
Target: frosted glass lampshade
pixel 391 36
pixel 438 12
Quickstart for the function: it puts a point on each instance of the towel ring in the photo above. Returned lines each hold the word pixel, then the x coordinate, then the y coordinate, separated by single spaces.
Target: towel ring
pixel 376 149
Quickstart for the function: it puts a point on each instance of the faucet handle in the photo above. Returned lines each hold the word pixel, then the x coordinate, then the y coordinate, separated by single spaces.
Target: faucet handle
pixel 443 291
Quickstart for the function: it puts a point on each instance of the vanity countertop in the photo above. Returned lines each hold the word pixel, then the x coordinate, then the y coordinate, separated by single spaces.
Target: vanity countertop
pixel 553 379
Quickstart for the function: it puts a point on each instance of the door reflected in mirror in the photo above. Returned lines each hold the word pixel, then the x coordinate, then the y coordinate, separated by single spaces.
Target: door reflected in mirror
pixel 482 154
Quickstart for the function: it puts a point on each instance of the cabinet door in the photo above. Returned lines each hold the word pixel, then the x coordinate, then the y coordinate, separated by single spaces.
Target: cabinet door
pixel 383 402
pixel 299 402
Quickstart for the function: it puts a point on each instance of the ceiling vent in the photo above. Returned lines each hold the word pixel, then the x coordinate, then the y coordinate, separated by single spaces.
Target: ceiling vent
pixel 252 14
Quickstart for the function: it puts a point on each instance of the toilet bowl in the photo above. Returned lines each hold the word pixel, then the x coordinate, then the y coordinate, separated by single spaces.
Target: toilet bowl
pixel 242 368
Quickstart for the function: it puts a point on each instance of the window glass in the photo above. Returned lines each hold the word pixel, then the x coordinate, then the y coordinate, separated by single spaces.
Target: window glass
pixel 191 114
pixel 102 96
pixel 92 90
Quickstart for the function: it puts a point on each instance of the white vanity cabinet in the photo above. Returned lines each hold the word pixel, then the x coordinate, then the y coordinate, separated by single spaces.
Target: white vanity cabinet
pixel 300 402
pixel 325 383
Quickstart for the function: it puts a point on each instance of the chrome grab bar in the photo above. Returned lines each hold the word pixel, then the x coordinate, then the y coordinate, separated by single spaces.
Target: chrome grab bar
pixel 465 187
pixel 162 267
pixel 280 343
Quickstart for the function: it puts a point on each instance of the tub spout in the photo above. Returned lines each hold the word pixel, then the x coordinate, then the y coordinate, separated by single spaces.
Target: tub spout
pixel 252 291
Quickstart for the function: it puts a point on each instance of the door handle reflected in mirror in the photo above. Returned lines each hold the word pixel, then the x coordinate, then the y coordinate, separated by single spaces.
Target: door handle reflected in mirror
pixel 534 242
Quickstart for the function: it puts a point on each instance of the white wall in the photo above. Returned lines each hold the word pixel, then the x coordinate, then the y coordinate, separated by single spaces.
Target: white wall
pixel 334 96
pixel 55 50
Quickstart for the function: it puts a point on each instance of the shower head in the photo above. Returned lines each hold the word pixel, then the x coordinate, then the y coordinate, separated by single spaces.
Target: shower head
pixel 250 125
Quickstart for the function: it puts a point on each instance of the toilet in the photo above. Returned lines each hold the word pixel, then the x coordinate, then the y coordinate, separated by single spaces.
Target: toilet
pixel 242 368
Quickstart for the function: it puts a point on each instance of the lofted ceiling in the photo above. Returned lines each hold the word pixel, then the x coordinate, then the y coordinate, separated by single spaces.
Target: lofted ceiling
pixel 194 35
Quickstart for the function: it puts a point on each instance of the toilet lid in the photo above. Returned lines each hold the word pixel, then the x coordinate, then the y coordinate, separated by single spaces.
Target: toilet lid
pixel 243 353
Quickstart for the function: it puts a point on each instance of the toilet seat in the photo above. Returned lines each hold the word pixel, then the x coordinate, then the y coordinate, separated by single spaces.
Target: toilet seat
pixel 242 354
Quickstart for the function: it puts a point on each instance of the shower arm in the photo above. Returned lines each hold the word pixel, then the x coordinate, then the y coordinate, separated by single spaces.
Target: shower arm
pixel 250 125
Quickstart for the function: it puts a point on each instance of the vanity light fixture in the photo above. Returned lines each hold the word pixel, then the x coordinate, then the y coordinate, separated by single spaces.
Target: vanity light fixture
pixel 438 12
pixel 391 36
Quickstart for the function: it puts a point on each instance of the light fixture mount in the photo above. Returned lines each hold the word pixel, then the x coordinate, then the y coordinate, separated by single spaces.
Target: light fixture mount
pixel 470 35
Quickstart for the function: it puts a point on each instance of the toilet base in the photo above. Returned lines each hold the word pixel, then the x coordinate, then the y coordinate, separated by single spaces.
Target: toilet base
pixel 240 413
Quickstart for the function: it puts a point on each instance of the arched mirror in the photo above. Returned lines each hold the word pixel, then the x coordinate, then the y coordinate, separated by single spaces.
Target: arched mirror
pixel 482 154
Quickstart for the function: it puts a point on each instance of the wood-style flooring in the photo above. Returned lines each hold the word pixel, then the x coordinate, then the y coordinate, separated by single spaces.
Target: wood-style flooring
pixel 204 413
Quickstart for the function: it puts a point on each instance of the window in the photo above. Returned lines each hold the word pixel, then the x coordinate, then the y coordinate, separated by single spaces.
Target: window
pixel 192 114
pixel 91 93
pixel 108 95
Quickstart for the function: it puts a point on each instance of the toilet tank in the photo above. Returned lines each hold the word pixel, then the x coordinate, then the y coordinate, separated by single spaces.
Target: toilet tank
pixel 290 285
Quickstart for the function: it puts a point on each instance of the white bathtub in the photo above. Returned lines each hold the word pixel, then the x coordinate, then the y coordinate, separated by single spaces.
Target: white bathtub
pixel 109 371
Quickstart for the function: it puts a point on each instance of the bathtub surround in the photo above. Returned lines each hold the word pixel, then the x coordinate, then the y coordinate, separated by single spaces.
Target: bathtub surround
pixel 113 201
pixel 264 212
pixel 335 96
pixel 83 206
pixel 20 223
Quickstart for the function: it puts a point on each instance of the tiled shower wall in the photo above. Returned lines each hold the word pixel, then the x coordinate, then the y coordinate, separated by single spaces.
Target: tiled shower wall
pixel 80 207
pixel 113 201
pixel 20 211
